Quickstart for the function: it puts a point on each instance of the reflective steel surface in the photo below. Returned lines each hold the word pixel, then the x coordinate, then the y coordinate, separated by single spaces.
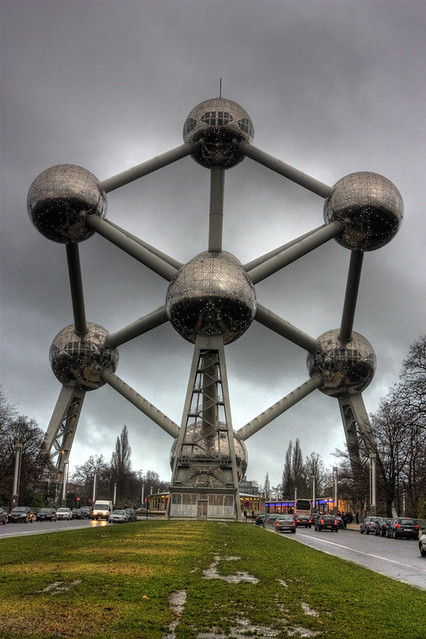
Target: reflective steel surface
pixel 61 198
pixel 369 206
pixel 80 360
pixel 198 453
pixel 211 295
pixel 346 368
pixel 217 127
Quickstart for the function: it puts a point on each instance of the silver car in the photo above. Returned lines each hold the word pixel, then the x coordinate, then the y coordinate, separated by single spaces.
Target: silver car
pixel 285 523
pixel 422 545
pixel 118 517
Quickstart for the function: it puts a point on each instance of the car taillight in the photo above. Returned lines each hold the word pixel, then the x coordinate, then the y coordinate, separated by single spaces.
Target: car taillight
pixel 397 525
pixel 335 521
pixel 417 527
pixel 322 521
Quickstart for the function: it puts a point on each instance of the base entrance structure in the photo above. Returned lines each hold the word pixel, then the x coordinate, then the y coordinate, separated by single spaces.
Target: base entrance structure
pixel 211 301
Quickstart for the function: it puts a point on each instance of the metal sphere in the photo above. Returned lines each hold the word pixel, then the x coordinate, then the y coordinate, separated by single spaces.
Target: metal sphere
pixel 61 198
pixel 197 447
pixel 217 127
pixel 370 208
pixel 346 368
pixel 80 360
pixel 211 295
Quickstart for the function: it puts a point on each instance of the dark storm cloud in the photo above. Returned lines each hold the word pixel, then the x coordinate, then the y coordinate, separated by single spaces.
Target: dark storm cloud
pixel 332 87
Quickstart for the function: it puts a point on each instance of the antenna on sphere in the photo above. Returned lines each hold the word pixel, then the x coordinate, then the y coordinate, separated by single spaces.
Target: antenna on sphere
pixel 220 87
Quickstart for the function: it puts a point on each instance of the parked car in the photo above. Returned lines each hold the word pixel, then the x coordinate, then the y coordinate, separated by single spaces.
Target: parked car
pixel 77 513
pixel 3 516
pixel 21 514
pixel 303 520
pixel 86 510
pixel 381 529
pixel 260 520
pixel 64 513
pixel 369 525
pixel 132 513
pixel 270 519
pixel 403 527
pixel 340 522
pixel 422 545
pixel 326 522
pixel 118 517
pixel 285 523
pixel 45 514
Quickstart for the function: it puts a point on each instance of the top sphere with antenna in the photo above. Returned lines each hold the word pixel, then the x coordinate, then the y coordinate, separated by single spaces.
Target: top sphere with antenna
pixel 60 200
pixel 217 127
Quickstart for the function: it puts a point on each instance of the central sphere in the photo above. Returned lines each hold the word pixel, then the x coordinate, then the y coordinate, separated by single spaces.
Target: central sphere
pixel 217 127
pixel 346 368
pixel 211 295
pixel 79 360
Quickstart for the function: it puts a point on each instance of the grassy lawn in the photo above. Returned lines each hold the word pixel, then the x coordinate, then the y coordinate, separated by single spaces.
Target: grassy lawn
pixel 225 580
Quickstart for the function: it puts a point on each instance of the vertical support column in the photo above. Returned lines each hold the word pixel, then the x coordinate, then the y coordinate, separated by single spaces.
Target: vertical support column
pixel 217 186
pixel 313 493
pixel 205 474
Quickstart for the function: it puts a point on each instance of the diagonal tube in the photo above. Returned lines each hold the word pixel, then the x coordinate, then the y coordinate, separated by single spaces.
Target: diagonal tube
pixel 264 258
pixel 149 166
pixel 295 251
pixel 286 170
pixel 142 325
pixel 141 403
pixel 167 258
pixel 285 329
pixel 351 295
pixel 280 407
pixel 76 284
pixel 133 248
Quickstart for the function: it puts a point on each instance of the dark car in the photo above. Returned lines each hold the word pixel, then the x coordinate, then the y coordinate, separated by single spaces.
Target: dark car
pixel 132 513
pixel 381 529
pixel 285 523
pixel 86 510
pixel 46 514
pixel 260 520
pixel 3 516
pixel 303 520
pixel 21 514
pixel 403 527
pixel 77 513
pixel 369 525
pixel 327 522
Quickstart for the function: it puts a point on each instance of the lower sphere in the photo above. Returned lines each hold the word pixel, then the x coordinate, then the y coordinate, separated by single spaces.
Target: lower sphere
pixel 80 360
pixel 346 368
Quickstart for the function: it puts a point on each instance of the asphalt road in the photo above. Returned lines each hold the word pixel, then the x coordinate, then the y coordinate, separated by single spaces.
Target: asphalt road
pixel 396 558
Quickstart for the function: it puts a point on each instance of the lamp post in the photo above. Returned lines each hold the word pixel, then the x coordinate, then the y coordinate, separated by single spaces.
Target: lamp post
pixel 313 493
pixel 373 507
pixel 64 484
pixel 335 500
pixel 95 478
pixel 16 474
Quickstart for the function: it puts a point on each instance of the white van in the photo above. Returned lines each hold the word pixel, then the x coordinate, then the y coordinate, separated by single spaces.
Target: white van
pixel 101 509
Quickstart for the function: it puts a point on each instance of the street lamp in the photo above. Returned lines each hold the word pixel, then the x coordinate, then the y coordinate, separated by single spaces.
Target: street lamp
pixel 16 474
pixel 373 506
pixel 313 492
pixel 335 500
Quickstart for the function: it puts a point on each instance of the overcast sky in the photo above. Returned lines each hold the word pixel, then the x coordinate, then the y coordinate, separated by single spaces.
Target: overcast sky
pixel 332 87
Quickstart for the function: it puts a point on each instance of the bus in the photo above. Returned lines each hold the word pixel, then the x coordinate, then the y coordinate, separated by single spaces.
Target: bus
pixel 281 506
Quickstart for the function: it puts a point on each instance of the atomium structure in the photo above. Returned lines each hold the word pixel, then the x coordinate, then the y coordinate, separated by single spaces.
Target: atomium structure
pixel 210 302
